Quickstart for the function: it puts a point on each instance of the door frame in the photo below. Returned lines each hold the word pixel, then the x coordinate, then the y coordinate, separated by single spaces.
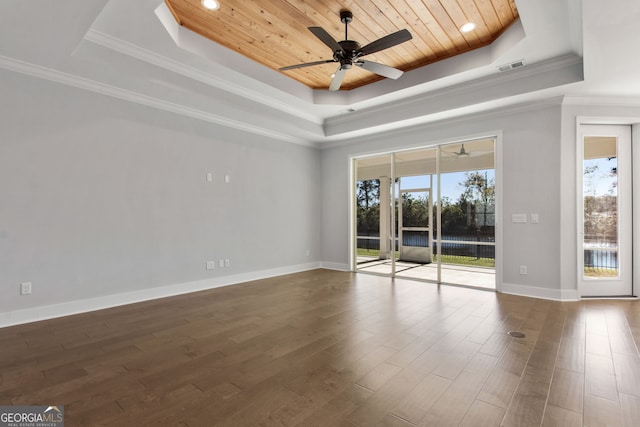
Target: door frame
pixel 633 204
pixel 496 135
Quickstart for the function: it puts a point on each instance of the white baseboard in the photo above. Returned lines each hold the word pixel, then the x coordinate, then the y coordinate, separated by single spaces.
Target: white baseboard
pixel 35 314
pixel 538 292
pixel 335 266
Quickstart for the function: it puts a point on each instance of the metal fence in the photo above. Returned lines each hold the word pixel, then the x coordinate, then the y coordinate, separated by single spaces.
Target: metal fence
pixel 601 253
pixel 458 245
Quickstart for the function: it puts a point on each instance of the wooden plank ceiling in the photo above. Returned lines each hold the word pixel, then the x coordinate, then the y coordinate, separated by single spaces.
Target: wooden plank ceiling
pixel 275 32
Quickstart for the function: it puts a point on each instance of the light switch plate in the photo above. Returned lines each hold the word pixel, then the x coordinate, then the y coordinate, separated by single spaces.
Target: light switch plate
pixel 519 218
pixel 25 288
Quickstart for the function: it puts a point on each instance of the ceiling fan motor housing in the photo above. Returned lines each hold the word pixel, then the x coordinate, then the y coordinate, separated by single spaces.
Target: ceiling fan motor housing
pixel 348 54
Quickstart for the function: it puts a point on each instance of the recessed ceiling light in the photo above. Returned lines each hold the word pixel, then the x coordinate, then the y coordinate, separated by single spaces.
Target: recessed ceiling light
pixel 210 4
pixel 469 26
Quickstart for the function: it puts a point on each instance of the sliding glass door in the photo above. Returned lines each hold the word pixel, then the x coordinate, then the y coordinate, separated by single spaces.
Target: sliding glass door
pixel 467 213
pixel 428 214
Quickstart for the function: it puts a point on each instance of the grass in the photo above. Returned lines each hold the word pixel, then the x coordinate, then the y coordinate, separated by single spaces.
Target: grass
pixel 600 272
pixel 470 261
pixel 446 259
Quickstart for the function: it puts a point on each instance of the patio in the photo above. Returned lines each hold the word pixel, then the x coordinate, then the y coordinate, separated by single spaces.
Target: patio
pixel 474 277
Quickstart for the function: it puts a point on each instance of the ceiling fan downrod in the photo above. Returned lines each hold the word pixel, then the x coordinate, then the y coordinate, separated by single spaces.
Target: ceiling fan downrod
pixel 346 17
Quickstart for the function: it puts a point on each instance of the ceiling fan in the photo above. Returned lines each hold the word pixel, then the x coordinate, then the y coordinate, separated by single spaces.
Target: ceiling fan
pixel 463 152
pixel 348 52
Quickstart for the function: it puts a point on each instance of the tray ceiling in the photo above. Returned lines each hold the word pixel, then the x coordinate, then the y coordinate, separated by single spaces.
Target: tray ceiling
pixel 275 33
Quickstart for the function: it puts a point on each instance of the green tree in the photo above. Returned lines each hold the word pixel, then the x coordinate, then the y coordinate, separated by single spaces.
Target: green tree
pixel 453 219
pixel 480 196
pixel 415 211
pixel 368 206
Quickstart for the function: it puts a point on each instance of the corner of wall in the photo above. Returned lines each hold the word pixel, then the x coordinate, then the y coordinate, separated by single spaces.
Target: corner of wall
pixel 554 294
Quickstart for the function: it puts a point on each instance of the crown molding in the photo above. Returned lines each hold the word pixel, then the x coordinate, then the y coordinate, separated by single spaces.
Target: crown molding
pixel 462 117
pixel 542 75
pixel 58 76
pixel 607 101
pixel 153 58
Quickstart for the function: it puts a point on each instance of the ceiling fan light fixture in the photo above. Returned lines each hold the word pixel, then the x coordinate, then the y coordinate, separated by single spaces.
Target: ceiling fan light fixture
pixel 469 26
pixel 210 4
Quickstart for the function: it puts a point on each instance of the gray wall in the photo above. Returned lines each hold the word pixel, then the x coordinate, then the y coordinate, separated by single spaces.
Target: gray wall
pixel 529 182
pixel 101 197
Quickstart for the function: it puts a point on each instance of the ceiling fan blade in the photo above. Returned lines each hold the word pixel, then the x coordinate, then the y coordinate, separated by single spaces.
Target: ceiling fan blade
pixel 380 69
pixel 326 38
pixel 308 64
pixel 337 79
pixel 387 42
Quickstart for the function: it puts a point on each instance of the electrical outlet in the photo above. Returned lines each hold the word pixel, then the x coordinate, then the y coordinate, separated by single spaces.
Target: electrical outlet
pixel 523 270
pixel 308 252
pixel 25 288
pixel 221 263
pixel 211 265
pixel 227 263
pixel 209 177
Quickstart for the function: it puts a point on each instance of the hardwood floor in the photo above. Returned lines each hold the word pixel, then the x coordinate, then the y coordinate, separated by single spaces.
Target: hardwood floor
pixel 326 348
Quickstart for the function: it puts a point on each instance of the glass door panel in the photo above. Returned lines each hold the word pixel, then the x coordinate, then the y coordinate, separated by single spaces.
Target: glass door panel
pixel 605 244
pixel 416 175
pixel 467 214
pixel 373 193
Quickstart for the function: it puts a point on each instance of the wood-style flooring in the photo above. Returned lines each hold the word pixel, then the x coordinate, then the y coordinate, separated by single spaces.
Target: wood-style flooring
pixel 326 348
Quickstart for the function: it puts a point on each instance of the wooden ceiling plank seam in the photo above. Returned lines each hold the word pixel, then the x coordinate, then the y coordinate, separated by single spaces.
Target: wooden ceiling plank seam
pixel 422 31
pixel 278 50
pixel 430 22
pixel 280 42
pixel 461 16
pixel 328 19
pixel 504 11
pixel 268 59
pixel 423 48
pixel 238 36
pixel 421 35
pixel 305 50
pixel 246 35
pixel 440 41
pixel 472 13
pixel 446 18
pixel 489 16
pixel 393 22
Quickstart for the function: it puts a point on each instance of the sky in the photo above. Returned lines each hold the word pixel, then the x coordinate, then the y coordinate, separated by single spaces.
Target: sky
pixel 450 184
pixel 601 180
